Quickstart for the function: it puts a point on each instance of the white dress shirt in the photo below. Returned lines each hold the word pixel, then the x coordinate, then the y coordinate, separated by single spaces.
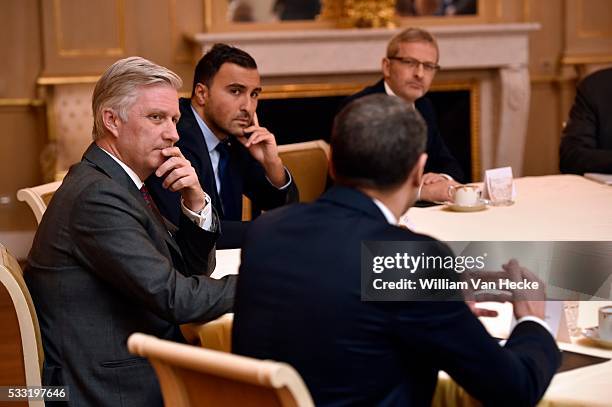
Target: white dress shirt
pixel 211 142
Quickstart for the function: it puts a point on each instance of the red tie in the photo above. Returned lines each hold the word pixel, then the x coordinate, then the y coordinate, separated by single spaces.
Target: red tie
pixel 144 191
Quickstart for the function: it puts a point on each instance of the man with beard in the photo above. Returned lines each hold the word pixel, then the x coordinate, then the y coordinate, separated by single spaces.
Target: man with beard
pixel 221 137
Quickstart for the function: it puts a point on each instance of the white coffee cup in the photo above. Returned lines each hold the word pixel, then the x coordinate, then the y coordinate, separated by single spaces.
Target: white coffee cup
pixel 465 195
pixel 605 323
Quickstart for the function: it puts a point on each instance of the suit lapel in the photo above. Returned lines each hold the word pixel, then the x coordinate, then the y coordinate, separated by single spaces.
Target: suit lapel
pixel 100 159
pixel 192 139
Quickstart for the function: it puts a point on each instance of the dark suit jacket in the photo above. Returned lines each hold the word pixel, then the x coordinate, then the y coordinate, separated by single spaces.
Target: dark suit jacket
pixel 298 301
pixel 102 266
pixel 586 145
pixel 248 176
pixel 439 159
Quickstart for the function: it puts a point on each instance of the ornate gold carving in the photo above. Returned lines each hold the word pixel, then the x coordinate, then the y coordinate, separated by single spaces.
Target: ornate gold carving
pixel 360 13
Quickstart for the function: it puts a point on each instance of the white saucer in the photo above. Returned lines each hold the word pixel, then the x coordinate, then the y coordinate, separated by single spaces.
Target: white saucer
pixel 479 206
pixel 593 335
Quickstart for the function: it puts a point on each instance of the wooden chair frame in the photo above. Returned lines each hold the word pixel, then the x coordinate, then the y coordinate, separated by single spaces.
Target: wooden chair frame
pixel 38 197
pixel 247 376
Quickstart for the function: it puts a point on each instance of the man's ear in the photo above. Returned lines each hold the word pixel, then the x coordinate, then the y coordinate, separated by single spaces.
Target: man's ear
pixel 332 170
pixel 386 68
pixel 200 94
pixel 111 121
pixel 417 171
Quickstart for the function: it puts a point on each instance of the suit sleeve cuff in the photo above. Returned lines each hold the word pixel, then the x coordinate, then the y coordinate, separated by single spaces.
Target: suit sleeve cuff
pixel 289 180
pixel 537 321
pixel 203 218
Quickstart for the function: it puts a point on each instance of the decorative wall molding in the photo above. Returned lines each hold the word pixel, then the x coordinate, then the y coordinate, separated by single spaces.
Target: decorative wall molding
pixel 502 49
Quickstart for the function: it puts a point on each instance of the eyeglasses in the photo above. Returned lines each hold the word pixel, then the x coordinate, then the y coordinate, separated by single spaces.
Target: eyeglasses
pixel 412 63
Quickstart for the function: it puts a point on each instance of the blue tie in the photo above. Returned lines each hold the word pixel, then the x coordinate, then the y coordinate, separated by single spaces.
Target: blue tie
pixel 228 203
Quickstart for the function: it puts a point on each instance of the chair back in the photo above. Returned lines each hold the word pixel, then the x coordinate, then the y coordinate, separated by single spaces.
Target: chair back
pixel 193 376
pixel 215 335
pixel 21 354
pixel 38 197
pixel 308 163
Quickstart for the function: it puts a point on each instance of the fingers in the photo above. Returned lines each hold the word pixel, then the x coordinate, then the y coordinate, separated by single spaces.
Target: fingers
pixel 432 178
pixel 258 135
pixel 176 171
pixel 180 178
pixel 483 275
pixel 480 312
pixel 255 119
pixel 172 154
pixel 492 296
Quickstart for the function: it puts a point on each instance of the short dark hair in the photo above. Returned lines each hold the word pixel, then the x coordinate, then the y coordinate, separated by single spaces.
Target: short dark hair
pixel 376 142
pixel 211 62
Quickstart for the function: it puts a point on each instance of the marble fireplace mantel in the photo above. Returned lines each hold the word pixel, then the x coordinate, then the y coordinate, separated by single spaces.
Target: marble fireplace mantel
pixel 499 48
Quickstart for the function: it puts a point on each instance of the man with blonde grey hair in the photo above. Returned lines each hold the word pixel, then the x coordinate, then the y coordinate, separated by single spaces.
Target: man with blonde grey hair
pixel 408 71
pixel 104 262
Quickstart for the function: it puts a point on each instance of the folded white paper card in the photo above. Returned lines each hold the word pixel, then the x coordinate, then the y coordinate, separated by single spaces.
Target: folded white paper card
pixel 496 176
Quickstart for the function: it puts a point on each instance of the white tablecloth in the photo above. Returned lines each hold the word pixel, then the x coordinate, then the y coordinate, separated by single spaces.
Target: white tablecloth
pixel 548 208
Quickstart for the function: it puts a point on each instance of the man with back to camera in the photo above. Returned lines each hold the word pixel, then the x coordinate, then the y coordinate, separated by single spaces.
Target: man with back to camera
pixel 408 71
pixel 586 145
pixel 298 298
pixel 221 137
pixel 104 263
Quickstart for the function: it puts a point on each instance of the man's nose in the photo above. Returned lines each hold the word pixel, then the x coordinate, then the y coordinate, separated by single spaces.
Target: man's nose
pixel 419 71
pixel 249 104
pixel 171 133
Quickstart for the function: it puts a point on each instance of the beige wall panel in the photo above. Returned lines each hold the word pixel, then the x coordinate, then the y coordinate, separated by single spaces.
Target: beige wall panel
pixel 21 142
pixel 594 17
pixel 22 127
pixel 546 44
pixel 150 28
pixel 83 37
pixel 160 29
pixel 589 28
pixel 543 131
pixel 186 16
pixel 89 28
pixel 507 11
pixel 19 49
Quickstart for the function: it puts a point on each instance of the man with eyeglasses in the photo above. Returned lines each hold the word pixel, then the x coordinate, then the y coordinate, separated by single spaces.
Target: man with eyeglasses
pixel 408 71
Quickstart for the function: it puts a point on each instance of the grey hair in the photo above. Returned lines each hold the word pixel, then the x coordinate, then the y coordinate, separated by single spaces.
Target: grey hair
pixel 411 34
pixel 117 88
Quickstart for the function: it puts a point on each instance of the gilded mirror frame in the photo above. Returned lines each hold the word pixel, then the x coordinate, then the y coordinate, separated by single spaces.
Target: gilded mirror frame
pixel 215 18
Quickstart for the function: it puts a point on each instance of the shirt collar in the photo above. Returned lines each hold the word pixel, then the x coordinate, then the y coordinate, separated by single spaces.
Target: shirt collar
pixel 386 212
pixel 137 181
pixel 390 92
pixel 209 138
